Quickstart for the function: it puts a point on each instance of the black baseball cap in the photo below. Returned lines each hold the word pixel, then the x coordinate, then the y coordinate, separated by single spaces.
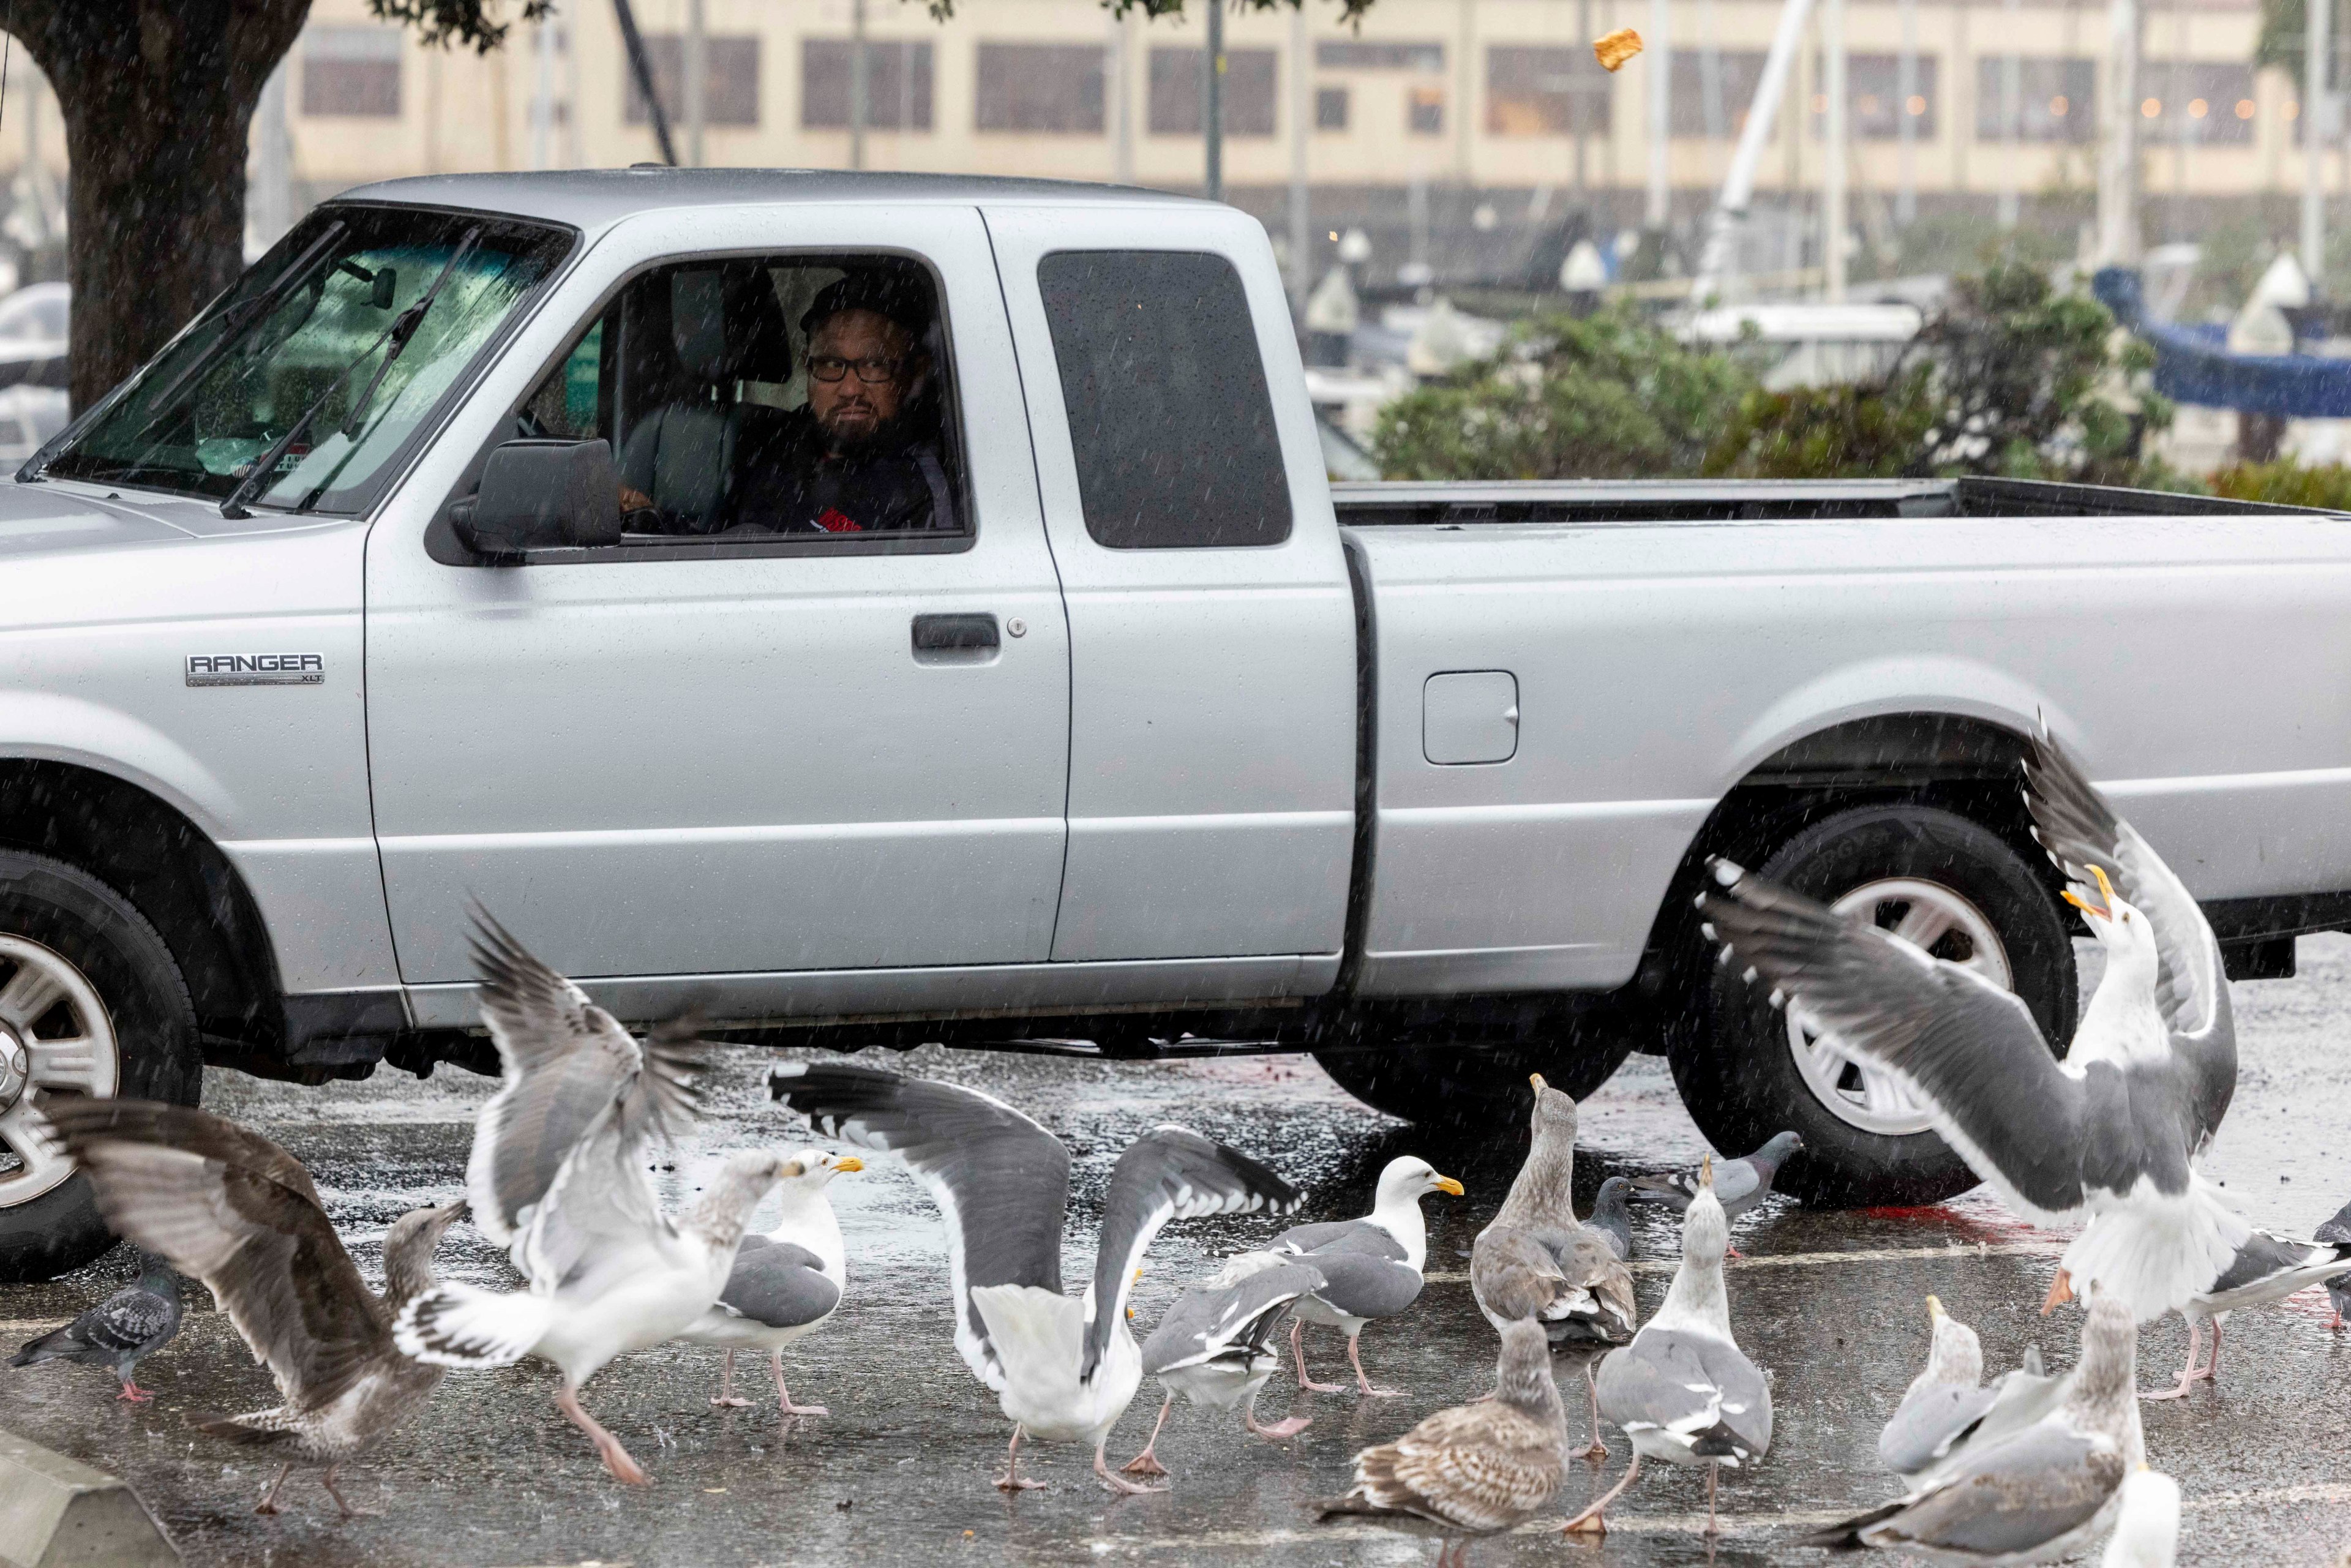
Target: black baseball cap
pixel 901 293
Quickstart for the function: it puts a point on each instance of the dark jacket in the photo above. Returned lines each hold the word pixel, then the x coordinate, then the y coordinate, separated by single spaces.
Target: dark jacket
pixel 786 483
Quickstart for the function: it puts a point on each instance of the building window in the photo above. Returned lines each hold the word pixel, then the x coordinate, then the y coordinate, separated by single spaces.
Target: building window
pixel 897 84
pixel 2057 98
pixel 1330 108
pixel 1714 104
pixel 1544 92
pixel 1176 92
pixel 1424 112
pixel 1354 55
pixel 351 71
pixel 730 81
pixel 1875 107
pixel 1056 88
pixel 2196 101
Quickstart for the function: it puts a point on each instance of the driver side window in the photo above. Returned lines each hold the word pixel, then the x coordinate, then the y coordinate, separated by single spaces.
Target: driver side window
pixel 748 399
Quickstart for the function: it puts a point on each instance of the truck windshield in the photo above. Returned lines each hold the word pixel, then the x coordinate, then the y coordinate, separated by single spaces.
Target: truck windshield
pixel 200 414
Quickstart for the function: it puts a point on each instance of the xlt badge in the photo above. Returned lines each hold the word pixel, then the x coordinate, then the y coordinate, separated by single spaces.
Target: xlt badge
pixel 256 669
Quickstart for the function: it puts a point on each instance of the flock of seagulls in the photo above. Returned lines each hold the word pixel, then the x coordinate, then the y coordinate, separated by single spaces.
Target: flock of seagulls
pixel 2027 1468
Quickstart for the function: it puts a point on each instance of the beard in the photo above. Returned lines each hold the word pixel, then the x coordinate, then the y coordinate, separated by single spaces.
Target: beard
pixel 848 437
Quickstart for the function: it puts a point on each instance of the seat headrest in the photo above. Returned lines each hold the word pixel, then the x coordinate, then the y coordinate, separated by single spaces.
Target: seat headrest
pixel 728 325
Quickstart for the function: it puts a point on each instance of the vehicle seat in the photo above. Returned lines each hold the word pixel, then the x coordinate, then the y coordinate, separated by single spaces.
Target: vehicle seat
pixel 724 327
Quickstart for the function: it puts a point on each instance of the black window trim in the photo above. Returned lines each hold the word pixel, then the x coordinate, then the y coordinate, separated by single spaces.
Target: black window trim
pixel 443 545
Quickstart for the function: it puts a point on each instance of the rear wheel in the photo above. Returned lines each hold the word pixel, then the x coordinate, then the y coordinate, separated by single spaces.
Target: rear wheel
pixel 1752 1069
pixel 92 1003
pixel 1448 1085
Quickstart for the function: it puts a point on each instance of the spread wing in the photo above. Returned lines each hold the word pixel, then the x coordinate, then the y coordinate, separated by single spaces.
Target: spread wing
pixel 564 1061
pixel 215 1201
pixel 1001 1182
pixel 600 1221
pixel 1969 1050
pixel 1169 1173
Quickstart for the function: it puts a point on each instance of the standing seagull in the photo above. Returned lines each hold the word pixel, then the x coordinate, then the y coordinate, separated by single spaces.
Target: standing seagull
pixel 1371 1266
pixel 1214 1347
pixel 1942 1403
pixel 2039 1493
pixel 119 1332
pixel 1683 1390
pixel 234 1210
pixel 1537 1260
pixel 2111 1132
pixel 786 1282
pixel 1475 1469
pixel 2338 1289
pixel 2147 1526
pixel 558 1176
pixel 1064 1368
pixel 2268 1268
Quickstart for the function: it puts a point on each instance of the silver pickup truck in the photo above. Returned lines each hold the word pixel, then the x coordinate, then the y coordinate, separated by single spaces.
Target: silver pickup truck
pixel 503 541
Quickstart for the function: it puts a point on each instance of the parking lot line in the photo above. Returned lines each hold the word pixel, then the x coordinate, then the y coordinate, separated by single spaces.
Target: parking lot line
pixel 2047 1248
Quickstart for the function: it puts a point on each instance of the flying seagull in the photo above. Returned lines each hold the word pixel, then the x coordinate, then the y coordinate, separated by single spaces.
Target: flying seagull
pixel 228 1207
pixel 2268 1268
pixel 119 1332
pixel 1371 1266
pixel 1064 1368
pixel 559 1165
pixel 786 1282
pixel 1683 1390
pixel 1538 1260
pixel 2110 1132
pixel 1475 1469
pixel 1214 1346
pixel 2036 1494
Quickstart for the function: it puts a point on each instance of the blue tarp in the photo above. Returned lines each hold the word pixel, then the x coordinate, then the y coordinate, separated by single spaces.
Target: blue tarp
pixel 2192 364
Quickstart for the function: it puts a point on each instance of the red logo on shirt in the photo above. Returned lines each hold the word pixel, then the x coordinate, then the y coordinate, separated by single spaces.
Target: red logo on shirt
pixel 834 520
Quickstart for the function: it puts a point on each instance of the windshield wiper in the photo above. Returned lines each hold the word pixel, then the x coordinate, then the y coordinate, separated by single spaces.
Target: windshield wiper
pixel 238 320
pixel 403 329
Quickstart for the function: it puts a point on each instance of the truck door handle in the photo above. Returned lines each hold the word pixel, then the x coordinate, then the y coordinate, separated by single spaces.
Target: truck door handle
pixel 954 634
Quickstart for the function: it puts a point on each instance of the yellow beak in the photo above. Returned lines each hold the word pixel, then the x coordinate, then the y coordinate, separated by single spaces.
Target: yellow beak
pixel 849 1163
pixel 1934 1310
pixel 1536 1079
pixel 1447 1184
pixel 1706 1171
pixel 2105 891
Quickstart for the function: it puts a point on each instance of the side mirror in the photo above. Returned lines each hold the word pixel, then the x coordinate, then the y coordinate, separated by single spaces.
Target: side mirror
pixel 543 495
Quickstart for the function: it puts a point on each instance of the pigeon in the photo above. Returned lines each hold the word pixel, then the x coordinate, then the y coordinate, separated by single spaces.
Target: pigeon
pixel 1063 1368
pixel 2338 1289
pixel 559 1165
pixel 1371 1266
pixel 2112 1131
pixel 2037 1493
pixel 233 1209
pixel 2268 1268
pixel 1538 1260
pixel 1740 1185
pixel 2147 1526
pixel 1475 1469
pixel 1683 1390
pixel 1611 1215
pixel 785 1283
pixel 1214 1346
pixel 119 1332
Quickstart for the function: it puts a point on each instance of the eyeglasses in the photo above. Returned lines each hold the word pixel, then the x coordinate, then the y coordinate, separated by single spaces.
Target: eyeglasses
pixel 873 372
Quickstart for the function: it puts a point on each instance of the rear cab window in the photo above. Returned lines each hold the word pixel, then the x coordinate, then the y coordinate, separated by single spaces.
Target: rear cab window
pixel 1171 423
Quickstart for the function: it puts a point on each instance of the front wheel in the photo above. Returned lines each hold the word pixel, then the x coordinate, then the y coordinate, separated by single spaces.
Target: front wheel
pixel 92 1003
pixel 1936 879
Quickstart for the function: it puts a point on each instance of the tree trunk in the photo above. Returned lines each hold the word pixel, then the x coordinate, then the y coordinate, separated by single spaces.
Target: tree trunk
pixel 157 97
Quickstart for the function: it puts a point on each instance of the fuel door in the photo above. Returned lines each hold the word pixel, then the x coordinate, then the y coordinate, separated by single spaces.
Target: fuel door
pixel 1469 716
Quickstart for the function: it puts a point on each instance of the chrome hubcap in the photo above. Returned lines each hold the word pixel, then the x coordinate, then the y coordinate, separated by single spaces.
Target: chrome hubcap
pixel 55 1038
pixel 1929 916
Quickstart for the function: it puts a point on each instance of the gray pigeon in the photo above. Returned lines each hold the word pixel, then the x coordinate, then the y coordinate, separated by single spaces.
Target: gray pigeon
pixel 1611 1215
pixel 2338 1289
pixel 121 1332
pixel 1738 1185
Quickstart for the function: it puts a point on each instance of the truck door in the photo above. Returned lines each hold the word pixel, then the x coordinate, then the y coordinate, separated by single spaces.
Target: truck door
pixel 811 713
pixel 1212 757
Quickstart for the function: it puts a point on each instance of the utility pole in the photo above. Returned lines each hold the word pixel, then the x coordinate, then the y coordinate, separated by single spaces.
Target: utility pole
pixel 2012 109
pixel 1905 124
pixel 1582 110
pixel 2119 241
pixel 696 67
pixel 860 84
pixel 1302 111
pixel 542 96
pixel 1660 80
pixel 1212 101
pixel 1832 165
pixel 269 211
pixel 1738 186
pixel 2318 26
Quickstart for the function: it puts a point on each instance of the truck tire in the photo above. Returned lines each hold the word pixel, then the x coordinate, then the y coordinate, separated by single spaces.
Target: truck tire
pixel 1459 1085
pixel 91 1002
pixel 1752 1070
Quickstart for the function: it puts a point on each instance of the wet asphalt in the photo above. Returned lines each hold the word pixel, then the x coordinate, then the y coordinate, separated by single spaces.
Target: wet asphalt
pixel 899 1473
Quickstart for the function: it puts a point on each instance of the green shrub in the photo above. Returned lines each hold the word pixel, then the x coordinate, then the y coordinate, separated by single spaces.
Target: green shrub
pixel 2287 482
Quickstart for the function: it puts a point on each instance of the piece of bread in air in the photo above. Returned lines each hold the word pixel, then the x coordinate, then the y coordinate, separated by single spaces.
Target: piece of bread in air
pixel 1617 48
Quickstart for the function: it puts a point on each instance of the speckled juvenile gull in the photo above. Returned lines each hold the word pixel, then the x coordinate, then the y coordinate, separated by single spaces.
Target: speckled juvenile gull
pixel 1214 1345
pixel 119 1332
pixel 1476 1469
pixel 2111 1132
pixel 2037 1494
pixel 233 1209
pixel 1371 1266
pixel 786 1282
pixel 1064 1368
pixel 2267 1269
pixel 1537 1260
pixel 1683 1390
